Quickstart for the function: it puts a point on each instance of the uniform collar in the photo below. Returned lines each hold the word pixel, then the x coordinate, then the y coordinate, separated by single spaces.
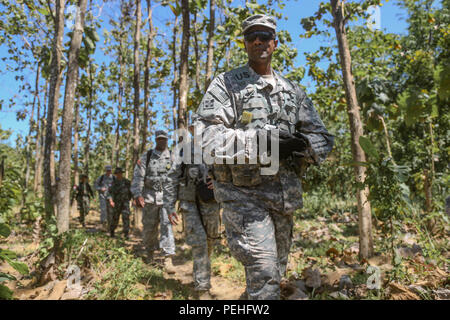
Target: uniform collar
pixel 162 153
pixel 261 83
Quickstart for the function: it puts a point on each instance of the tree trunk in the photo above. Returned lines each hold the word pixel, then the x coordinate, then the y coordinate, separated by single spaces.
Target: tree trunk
pixel 127 151
pixel 28 146
pixel 40 144
pixel 184 56
pixel 136 74
pixel 356 128
pixel 75 148
pixel 197 54
pixel 65 154
pixel 148 59
pixel 210 52
pixel 87 145
pixel 52 110
pixel 175 73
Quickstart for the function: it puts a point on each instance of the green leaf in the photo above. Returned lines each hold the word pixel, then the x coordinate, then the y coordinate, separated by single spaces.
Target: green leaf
pixel 19 266
pixel 8 253
pixel 5 277
pixel 5 292
pixel 368 147
pixel 44 11
pixel 5 231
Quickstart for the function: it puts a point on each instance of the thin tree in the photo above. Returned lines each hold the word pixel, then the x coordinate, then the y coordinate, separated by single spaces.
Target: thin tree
pixel 52 110
pixel 210 52
pixel 136 75
pixel 356 128
pixel 148 59
pixel 64 184
pixel 184 56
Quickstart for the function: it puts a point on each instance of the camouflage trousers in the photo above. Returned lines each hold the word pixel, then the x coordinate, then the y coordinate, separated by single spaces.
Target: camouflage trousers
pixel 114 216
pixel 202 230
pixel 104 208
pixel 152 217
pixel 83 205
pixel 260 238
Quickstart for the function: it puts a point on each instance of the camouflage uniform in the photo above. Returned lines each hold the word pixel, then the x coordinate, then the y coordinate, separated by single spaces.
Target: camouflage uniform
pixel 100 183
pixel 150 182
pixel 201 218
pixel 258 209
pixel 83 193
pixel 121 195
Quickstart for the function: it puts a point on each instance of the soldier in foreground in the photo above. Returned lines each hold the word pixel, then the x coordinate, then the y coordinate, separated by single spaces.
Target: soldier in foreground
pixel 258 209
pixel 192 186
pixel 102 185
pixel 83 194
pixel 150 179
pixel 119 197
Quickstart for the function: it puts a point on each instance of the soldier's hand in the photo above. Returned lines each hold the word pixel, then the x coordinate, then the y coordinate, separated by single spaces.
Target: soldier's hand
pixel 103 189
pixel 173 218
pixel 140 202
pixel 210 184
pixel 290 143
pixel 111 203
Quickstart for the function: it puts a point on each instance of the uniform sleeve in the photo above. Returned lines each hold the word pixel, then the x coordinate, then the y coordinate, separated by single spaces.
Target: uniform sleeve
pixel 311 127
pixel 137 183
pixel 215 117
pixel 97 184
pixel 171 187
pixel 130 195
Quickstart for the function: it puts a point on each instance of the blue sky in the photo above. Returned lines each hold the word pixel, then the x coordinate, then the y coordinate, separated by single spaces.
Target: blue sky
pixel 392 20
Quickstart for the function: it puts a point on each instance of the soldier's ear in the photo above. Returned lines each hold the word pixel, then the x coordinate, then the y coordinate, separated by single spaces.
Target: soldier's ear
pixel 275 43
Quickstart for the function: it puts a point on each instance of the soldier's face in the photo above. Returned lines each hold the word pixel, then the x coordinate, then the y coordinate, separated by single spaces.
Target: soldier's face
pixel 119 175
pixel 259 50
pixel 161 143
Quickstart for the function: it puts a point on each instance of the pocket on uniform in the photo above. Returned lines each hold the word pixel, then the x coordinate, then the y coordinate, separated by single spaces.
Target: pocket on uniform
pixel 245 175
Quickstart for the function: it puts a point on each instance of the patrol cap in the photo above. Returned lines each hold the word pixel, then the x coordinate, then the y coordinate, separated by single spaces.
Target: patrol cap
pixel 161 134
pixel 118 170
pixel 259 20
pixel 108 168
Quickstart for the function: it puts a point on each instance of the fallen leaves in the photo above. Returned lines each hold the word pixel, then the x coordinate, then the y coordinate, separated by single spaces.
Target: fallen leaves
pixel 401 292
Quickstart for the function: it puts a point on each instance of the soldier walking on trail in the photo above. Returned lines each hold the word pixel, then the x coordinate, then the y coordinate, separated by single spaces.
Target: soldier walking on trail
pixel 102 185
pixel 83 193
pixel 252 101
pixel 193 188
pixel 119 197
pixel 150 179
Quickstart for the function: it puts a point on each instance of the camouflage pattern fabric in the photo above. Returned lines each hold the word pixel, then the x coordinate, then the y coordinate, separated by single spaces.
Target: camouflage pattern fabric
pixel 152 216
pixel 258 218
pixel 121 195
pixel 147 182
pixel 102 195
pixel 202 231
pixel 83 195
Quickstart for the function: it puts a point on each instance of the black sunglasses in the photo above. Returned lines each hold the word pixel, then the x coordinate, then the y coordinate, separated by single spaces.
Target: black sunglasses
pixel 262 35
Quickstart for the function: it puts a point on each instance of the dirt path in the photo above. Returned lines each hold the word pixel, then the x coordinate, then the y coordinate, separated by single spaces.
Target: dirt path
pixel 25 289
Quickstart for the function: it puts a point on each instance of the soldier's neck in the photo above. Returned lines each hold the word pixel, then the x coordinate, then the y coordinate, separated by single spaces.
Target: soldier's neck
pixel 160 149
pixel 261 68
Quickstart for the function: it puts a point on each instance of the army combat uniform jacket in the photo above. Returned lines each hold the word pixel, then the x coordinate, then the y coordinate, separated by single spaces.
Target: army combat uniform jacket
pixel 239 100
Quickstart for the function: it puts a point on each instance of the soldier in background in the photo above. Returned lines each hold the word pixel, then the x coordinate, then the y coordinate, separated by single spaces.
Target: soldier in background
pixel 150 179
pixel 83 194
pixel 246 103
pixel 192 186
pixel 119 196
pixel 102 185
